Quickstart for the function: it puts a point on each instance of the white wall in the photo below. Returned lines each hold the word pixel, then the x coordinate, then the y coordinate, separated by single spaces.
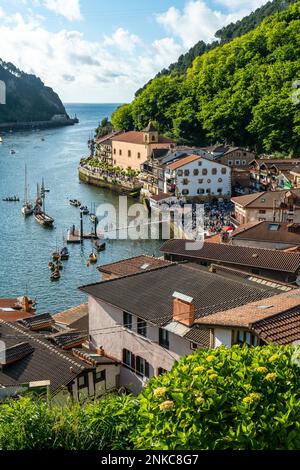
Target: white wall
pixel 106 330
pixel 210 181
pixel 222 337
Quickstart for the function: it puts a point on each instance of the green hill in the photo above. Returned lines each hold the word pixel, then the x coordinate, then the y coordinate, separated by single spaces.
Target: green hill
pixel 239 92
pixel 27 98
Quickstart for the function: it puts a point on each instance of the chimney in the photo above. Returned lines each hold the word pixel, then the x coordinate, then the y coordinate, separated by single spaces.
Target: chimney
pixel 183 309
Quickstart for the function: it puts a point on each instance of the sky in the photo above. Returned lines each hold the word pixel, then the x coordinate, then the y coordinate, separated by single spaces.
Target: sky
pixel 102 51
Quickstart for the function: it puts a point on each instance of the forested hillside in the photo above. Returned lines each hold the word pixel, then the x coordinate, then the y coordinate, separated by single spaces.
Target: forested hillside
pixel 231 31
pixel 240 92
pixel 27 98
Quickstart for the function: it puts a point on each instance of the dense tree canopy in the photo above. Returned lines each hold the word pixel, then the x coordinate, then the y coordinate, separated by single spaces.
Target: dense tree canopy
pixel 240 92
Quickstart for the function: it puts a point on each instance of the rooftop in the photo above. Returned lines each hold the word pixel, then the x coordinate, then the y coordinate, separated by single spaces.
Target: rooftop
pixel 269 232
pixel 149 295
pixel 75 317
pixel 133 265
pixel 265 200
pixel 276 319
pixel 38 360
pixel 183 161
pixel 12 310
pixel 136 137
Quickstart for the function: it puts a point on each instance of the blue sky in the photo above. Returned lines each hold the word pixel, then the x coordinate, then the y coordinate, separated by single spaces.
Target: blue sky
pixel 102 51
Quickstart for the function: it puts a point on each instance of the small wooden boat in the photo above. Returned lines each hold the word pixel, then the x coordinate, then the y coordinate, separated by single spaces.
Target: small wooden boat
pixel 51 266
pixel 11 199
pixel 100 246
pixel 93 258
pixel 55 276
pixel 12 152
pixel 56 255
pixel 84 210
pixel 75 202
pixel 64 253
pixel 59 265
pixel 27 208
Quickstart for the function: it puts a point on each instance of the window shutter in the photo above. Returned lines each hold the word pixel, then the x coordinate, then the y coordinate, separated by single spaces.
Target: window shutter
pixel 132 361
pixel 147 373
pixel 124 356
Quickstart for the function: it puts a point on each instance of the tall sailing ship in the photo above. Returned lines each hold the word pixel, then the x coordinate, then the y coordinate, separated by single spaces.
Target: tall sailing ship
pixel 27 208
pixel 40 214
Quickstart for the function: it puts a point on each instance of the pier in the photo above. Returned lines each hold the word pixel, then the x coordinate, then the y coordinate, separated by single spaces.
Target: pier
pixel 77 235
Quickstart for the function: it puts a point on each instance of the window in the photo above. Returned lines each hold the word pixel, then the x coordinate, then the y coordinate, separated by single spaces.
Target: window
pixel 204 172
pixel 82 381
pixel 100 376
pixel 161 371
pixel 200 181
pixel 199 163
pixel 194 346
pixel 128 359
pixel 185 181
pixel 214 171
pixel 208 181
pixel 164 338
pixel 185 192
pixel 274 227
pixel 186 172
pixel 237 162
pixel 115 162
pixel 141 327
pixel 153 138
pixel 129 153
pixel 261 211
pixel 142 367
pixel 244 163
pixel 127 320
pixel 115 151
pixel 200 191
pixel 220 190
pixel 196 172
pixel 230 162
pixel 244 337
pixel 120 152
pixel 179 173
pixel 224 171
pixel 139 155
pixel 220 180
pixel 208 191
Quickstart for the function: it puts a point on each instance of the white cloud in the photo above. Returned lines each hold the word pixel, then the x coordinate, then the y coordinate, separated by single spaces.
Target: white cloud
pixel 70 9
pixel 123 40
pixel 197 21
pixel 1 12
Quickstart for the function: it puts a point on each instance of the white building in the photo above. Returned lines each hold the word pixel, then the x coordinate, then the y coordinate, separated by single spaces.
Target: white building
pixel 195 177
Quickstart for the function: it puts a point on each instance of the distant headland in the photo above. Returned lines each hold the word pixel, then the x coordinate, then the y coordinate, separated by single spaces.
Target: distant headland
pixel 29 103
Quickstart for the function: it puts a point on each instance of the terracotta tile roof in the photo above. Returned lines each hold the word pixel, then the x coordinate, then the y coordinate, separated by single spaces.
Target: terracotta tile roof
pixel 161 196
pixel 11 311
pixel 149 295
pixel 38 322
pixel 283 328
pixel 183 161
pixel 135 137
pixel 200 336
pixel 265 200
pixel 248 314
pixel 107 138
pixel 274 260
pixel 260 231
pixel 69 339
pixel 137 264
pixel 75 317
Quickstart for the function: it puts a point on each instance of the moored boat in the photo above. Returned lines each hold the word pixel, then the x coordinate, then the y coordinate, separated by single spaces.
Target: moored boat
pixel 75 202
pixel 64 253
pixel 27 208
pixel 84 210
pixel 100 246
pixel 55 276
pixel 93 258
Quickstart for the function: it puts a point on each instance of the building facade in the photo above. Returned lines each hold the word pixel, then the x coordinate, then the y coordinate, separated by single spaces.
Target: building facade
pixel 194 177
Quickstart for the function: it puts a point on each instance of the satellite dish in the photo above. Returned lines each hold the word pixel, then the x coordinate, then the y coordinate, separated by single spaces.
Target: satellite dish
pixel 298 281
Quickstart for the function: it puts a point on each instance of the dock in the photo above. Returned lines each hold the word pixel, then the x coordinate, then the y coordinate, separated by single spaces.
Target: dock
pixel 74 236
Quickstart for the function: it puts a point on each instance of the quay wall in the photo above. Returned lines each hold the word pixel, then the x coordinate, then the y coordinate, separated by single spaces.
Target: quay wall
pixel 20 126
pixel 89 177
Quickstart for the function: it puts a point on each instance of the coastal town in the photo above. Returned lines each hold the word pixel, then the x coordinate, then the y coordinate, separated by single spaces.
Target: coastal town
pixel 150 232
pixel 145 313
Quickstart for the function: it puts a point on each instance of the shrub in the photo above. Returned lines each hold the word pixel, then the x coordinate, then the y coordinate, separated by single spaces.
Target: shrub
pixel 29 423
pixel 239 398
